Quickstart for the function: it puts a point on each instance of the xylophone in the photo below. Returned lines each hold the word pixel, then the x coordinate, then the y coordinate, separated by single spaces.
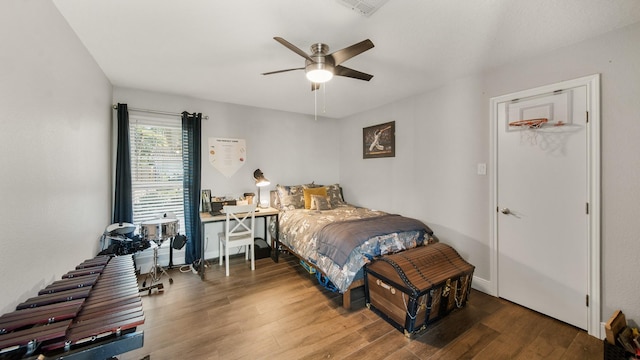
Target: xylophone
pixel 91 313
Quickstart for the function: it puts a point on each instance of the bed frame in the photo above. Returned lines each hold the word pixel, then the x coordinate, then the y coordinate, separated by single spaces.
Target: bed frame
pixel 277 246
pixel 346 296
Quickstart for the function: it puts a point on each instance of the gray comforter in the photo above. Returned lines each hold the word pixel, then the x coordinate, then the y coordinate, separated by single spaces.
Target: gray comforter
pixel 337 240
pixel 299 229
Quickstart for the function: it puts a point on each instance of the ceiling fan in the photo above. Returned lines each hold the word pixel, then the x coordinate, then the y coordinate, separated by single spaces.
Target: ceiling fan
pixel 320 67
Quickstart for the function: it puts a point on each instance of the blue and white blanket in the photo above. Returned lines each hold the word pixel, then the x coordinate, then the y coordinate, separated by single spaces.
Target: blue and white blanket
pixel 300 230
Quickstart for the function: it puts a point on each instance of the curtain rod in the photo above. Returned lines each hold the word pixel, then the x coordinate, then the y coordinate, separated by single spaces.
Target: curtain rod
pixel 115 107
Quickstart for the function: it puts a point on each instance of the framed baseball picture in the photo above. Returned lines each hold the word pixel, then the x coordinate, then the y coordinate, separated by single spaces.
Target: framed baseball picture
pixel 379 141
pixel 206 200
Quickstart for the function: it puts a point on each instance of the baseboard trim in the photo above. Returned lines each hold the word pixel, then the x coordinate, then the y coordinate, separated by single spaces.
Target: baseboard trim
pixel 483 285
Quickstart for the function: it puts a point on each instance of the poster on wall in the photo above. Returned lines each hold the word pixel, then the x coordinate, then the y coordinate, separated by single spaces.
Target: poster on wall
pixel 379 141
pixel 227 155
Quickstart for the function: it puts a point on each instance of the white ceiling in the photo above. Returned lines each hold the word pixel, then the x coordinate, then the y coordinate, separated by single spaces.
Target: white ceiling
pixel 217 50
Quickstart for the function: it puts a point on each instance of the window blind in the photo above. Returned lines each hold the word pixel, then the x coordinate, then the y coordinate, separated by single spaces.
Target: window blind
pixel 156 168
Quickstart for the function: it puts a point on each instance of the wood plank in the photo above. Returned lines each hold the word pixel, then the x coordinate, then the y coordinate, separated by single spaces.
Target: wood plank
pixel 279 312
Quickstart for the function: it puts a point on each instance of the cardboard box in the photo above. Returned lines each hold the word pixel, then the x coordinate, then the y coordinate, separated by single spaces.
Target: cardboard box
pixel 612 328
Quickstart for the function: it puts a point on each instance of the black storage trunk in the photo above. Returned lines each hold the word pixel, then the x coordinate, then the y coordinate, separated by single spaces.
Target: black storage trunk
pixel 416 287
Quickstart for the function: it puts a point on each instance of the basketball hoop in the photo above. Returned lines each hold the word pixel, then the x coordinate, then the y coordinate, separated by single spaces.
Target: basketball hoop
pixel 531 123
pixel 528 129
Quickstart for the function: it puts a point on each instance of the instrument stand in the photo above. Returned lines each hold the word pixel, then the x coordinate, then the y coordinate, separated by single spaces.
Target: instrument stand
pixel 171 253
pixel 159 286
pixel 155 274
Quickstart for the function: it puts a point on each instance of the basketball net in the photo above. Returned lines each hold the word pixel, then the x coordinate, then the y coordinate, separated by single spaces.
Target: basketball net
pixel 528 129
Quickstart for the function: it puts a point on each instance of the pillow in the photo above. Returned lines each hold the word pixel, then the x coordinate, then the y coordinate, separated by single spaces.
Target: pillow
pixel 291 197
pixel 335 195
pixel 274 199
pixel 312 191
pixel 320 202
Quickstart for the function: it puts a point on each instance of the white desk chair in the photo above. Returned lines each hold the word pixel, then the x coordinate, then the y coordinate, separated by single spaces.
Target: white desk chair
pixel 242 218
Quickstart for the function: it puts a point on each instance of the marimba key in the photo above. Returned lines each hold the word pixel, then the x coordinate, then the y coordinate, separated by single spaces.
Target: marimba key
pixel 34 335
pixel 47 299
pixel 40 315
pixel 84 271
pixel 98 260
pixel 70 283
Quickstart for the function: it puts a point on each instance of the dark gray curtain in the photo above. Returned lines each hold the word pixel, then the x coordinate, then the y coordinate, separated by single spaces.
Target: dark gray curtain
pixel 191 144
pixel 123 203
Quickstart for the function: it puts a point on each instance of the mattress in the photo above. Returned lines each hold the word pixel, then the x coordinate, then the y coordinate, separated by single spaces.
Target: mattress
pixel 299 230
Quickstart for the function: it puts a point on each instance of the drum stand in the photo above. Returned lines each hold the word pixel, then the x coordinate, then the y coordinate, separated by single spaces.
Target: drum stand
pixel 170 254
pixel 155 274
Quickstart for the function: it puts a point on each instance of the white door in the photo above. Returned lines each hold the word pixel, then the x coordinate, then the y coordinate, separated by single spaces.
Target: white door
pixel 542 193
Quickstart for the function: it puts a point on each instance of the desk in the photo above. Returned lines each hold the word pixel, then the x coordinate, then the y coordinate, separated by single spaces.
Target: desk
pixel 207 218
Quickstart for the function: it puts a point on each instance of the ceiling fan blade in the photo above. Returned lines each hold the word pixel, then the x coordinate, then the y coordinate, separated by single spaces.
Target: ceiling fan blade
pixel 315 86
pixel 281 71
pixel 347 53
pixel 293 48
pixel 345 71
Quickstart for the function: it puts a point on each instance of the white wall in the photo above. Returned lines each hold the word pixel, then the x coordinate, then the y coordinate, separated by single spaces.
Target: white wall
pixel 289 148
pixel 440 138
pixel 443 134
pixel 55 135
pixel 56 125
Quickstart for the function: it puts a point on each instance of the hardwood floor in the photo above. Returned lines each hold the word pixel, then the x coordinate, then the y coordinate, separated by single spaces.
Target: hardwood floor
pixel 280 312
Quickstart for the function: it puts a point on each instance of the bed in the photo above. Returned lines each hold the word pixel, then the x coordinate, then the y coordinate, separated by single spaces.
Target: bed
pixel 335 239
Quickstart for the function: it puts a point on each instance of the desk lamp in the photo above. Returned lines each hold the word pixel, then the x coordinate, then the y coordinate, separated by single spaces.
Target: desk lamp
pixel 261 181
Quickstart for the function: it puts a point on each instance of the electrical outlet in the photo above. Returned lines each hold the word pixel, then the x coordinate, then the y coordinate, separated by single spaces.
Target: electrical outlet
pixel 482 169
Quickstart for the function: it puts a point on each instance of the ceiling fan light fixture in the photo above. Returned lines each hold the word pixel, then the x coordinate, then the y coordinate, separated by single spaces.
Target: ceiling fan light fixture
pixel 319 76
pixel 320 66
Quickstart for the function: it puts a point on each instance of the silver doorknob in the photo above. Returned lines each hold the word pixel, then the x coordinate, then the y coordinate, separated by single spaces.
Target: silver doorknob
pixel 505 211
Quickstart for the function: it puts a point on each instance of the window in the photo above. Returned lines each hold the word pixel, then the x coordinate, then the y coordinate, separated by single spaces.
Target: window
pixel 156 168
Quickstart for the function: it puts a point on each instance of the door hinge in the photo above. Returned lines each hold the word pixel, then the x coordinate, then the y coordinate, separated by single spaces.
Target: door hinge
pixel 587 116
pixel 587 300
pixel 586 208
